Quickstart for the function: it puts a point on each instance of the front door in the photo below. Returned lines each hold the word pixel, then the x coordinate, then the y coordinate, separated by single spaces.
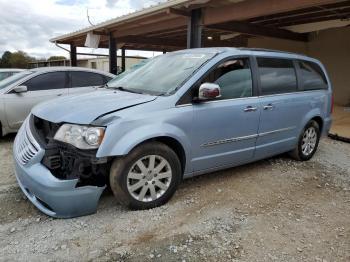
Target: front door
pixel 40 88
pixel 225 129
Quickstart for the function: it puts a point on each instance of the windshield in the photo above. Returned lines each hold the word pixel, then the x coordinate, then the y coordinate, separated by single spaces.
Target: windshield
pixel 161 75
pixel 131 69
pixel 12 79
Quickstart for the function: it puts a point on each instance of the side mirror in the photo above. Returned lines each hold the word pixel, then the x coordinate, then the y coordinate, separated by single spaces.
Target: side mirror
pixel 208 91
pixel 20 89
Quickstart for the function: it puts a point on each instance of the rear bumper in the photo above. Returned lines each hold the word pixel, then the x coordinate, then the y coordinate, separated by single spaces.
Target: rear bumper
pixel 52 196
pixel 327 123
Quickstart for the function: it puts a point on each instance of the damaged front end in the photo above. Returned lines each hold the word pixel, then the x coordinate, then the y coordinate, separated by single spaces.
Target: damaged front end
pixel 67 162
pixel 59 179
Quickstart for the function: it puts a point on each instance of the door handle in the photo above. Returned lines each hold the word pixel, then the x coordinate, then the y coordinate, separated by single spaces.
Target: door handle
pixel 59 94
pixel 268 107
pixel 250 109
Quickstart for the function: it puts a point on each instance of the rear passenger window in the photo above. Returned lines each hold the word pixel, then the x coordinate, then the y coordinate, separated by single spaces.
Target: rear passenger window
pixel 84 79
pixel 234 78
pixel 312 76
pixel 277 76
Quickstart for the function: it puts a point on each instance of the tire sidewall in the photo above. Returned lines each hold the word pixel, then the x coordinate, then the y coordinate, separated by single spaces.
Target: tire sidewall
pixel 123 166
pixel 302 156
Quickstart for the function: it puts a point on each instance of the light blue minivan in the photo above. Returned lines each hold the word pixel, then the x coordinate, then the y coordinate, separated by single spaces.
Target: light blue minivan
pixel 175 116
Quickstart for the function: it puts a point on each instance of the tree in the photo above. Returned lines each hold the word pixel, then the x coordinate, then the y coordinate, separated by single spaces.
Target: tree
pixel 20 59
pixel 52 58
pixel 5 59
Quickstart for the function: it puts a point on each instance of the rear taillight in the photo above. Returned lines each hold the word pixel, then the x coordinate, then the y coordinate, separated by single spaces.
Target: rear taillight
pixel 332 104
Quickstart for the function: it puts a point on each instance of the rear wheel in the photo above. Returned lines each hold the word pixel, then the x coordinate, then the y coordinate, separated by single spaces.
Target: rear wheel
pixel 147 177
pixel 308 142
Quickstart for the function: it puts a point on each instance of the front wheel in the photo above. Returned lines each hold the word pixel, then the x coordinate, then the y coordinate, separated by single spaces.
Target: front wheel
pixel 147 177
pixel 308 142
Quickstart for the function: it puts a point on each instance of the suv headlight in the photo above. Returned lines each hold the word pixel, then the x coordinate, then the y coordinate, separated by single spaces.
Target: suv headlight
pixel 82 137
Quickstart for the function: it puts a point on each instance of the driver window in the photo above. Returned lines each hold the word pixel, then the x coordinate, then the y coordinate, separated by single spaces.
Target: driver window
pixel 234 78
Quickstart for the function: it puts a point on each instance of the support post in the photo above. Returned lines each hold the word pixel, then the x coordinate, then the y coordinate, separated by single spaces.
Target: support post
pixel 123 59
pixel 194 29
pixel 73 55
pixel 112 55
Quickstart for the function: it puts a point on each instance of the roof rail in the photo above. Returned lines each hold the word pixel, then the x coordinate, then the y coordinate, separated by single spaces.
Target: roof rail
pixel 266 50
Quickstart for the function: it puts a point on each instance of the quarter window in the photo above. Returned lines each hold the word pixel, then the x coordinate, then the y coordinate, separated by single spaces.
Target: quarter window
pixel 234 78
pixel 84 79
pixel 276 76
pixel 312 76
pixel 47 81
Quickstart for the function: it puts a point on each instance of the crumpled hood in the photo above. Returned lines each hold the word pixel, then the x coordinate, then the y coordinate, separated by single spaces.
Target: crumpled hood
pixel 85 108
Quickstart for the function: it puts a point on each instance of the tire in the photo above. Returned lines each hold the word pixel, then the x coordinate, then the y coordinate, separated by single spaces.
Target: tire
pixel 301 153
pixel 126 176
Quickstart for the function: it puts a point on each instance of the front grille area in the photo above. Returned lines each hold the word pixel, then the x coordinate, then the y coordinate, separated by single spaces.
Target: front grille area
pixel 26 147
pixel 63 160
pixel 43 130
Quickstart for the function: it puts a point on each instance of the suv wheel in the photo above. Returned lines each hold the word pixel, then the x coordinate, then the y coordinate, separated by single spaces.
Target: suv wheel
pixel 308 142
pixel 147 177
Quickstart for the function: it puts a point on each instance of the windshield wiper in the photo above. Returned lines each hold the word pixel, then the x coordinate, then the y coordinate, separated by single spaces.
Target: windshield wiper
pixel 126 90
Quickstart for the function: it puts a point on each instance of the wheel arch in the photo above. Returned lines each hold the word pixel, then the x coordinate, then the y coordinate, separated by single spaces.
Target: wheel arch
pixel 172 143
pixel 319 121
pixel 314 114
pixel 170 135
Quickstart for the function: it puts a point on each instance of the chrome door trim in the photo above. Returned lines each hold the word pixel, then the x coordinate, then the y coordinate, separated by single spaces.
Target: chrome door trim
pixel 277 131
pixel 229 140
pixel 237 139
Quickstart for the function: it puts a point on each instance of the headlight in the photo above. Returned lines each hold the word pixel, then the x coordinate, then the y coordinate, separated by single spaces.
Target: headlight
pixel 82 137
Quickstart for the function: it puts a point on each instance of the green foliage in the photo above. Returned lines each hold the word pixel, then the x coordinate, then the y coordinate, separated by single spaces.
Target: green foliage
pixel 5 60
pixel 18 59
pixel 53 58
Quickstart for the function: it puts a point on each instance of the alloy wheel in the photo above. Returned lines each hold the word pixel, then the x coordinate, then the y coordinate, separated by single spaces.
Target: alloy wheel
pixel 149 178
pixel 309 141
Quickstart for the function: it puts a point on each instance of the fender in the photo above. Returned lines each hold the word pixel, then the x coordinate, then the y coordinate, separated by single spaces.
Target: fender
pixel 131 139
pixel 315 112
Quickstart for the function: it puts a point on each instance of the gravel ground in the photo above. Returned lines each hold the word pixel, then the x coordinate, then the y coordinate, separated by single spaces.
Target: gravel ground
pixel 272 210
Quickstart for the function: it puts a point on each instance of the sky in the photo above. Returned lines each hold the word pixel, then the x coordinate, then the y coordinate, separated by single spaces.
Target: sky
pixel 28 25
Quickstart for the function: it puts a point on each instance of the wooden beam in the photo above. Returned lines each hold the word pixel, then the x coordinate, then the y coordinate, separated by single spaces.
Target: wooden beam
pixel 100 33
pixel 257 30
pixel 168 32
pixel 145 29
pixel 310 20
pixel 152 41
pixel 255 8
pixel 333 8
pixel 178 12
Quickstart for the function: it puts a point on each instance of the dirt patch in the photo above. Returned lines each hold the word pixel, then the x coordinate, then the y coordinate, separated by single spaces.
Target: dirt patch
pixel 272 210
